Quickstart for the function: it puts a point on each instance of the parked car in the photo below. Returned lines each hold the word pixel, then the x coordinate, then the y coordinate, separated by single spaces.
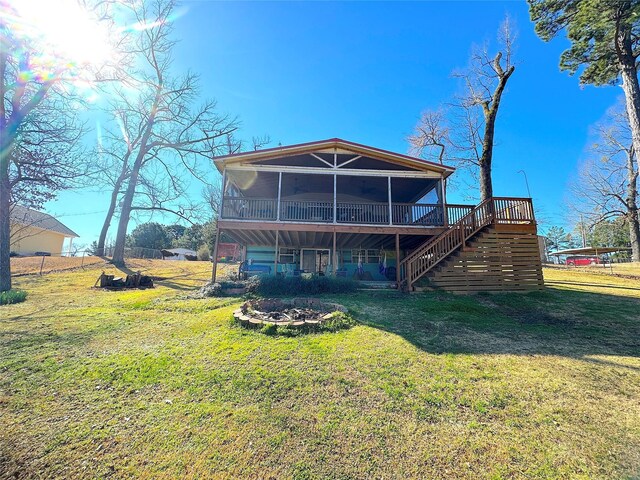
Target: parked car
pixel 580 260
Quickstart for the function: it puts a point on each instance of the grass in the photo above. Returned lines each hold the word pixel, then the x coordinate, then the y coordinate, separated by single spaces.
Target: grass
pixel 154 384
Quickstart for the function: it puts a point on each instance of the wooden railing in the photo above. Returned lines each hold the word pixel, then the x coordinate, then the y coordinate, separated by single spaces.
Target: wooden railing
pixel 249 208
pixel 368 213
pixel 494 210
pixel 296 211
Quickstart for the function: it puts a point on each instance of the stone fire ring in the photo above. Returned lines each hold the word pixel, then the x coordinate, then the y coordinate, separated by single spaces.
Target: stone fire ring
pixel 246 315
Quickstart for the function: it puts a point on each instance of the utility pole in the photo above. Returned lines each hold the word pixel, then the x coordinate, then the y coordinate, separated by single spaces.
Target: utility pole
pixel 526 181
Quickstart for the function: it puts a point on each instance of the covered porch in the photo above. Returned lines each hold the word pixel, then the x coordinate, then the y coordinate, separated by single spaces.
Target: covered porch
pixel 396 200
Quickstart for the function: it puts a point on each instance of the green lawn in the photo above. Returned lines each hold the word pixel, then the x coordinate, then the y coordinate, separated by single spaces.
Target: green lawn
pixel 98 384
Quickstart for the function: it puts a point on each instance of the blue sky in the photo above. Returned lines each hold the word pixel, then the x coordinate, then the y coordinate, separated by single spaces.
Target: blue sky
pixel 364 72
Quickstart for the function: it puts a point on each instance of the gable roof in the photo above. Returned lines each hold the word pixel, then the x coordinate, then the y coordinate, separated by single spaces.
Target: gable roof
pixel 336 143
pixel 33 218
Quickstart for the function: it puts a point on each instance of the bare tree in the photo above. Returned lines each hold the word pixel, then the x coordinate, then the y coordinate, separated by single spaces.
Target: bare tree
pixel 464 132
pixel 41 131
pixel 164 136
pixel 607 187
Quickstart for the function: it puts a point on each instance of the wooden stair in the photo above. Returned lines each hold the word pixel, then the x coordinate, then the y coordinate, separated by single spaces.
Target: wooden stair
pixel 492 248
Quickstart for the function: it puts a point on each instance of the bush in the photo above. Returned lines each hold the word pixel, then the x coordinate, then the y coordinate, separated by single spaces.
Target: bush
pixel 269 285
pixel 12 296
pixel 203 253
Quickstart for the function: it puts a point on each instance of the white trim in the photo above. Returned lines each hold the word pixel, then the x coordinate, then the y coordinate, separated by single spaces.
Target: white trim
pixel 321 159
pixel 349 161
pixel 340 171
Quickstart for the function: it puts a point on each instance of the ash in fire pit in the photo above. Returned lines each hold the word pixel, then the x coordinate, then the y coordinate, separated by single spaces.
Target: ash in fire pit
pixel 297 312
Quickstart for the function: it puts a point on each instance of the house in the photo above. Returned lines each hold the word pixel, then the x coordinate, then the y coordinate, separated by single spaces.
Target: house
pixel 335 207
pixel 34 232
pixel 179 254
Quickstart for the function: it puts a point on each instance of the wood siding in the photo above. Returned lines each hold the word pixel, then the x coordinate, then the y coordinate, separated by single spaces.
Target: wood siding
pixel 500 258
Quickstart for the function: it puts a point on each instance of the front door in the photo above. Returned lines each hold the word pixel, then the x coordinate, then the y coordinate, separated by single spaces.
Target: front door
pixel 308 261
pixel 315 260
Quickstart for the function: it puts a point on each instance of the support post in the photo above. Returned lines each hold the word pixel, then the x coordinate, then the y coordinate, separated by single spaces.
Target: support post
pixel 398 260
pixel 389 195
pixel 335 256
pixel 276 257
pixel 335 196
pixel 215 256
pixel 224 192
pixel 279 194
pixel 443 193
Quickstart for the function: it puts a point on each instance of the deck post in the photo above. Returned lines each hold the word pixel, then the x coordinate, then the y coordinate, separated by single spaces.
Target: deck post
pixel 215 256
pixel 335 196
pixel 389 195
pixel 224 190
pixel 443 193
pixel 279 194
pixel 335 256
pixel 276 257
pixel 398 260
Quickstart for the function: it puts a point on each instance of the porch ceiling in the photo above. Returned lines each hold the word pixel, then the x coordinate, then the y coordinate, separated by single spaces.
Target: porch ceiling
pixel 320 187
pixel 301 239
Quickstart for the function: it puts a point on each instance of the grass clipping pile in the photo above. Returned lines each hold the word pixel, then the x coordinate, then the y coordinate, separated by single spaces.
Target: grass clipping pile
pixel 291 317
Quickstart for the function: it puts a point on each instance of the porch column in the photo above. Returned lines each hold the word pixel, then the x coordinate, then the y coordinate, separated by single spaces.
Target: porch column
pixel 443 197
pixel 224 191
pixel 335 196
pixel 276 258
pixel 335 256
pixel 215 256
pixel 398 259
pixel 279 194
pixel 389 195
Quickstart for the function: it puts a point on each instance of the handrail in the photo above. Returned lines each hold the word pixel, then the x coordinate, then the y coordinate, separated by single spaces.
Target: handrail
pixel 502 210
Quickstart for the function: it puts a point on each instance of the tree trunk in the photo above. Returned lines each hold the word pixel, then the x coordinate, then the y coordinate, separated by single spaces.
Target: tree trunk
pixel 634 235
pixel 107 220
pixel 632 205
pixel 127 201
pixel 125 213
pixel 5 223
pixel 490 116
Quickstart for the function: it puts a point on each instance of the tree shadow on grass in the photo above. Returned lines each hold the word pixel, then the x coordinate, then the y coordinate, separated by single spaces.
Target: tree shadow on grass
pixel 555 321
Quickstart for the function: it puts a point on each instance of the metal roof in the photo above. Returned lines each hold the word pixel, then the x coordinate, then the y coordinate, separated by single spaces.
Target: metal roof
pixel 373 152
pixel 33 218
pixel 589 250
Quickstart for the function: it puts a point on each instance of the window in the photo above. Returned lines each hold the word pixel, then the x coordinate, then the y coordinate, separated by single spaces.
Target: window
pixel 287 255
pixel 373 256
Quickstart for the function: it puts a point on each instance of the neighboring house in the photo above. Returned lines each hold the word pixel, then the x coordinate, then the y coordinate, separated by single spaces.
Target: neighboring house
pixel 335 207
pixel 37 232
pixel 228 251
pixel 179 254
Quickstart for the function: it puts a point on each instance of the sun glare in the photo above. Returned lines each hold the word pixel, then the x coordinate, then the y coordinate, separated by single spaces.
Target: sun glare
pixel 64 30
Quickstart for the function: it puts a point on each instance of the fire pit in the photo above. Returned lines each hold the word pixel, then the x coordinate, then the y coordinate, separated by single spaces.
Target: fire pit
pixel 298 312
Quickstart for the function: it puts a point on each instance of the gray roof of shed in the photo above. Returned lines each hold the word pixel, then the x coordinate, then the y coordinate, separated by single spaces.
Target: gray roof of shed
pixel 33 218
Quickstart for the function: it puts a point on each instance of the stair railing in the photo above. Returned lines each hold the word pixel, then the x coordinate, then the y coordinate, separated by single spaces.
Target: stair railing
pixel 432 252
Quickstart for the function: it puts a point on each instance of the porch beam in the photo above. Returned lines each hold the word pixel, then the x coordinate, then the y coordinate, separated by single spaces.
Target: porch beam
pixel 398 259
pixel 338 171
pixel 335 196
pixel 322 160
pixel 340 228
pixel 389 195
pixel 215 256
pixel 335 256
pixel 279 194
pixel 349 161
pixel 275 270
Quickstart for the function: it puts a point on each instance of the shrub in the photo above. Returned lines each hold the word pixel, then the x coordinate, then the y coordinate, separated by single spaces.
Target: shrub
pixel 12 296
pixel 203 253
pixel 269 285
